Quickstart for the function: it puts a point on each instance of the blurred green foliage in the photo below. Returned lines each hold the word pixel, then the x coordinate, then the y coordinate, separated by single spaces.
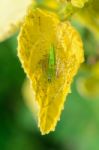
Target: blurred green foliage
pixel 78 128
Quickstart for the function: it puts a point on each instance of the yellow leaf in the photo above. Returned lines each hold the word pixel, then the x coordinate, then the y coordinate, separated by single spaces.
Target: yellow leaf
pixel 41 29
pixel 11 16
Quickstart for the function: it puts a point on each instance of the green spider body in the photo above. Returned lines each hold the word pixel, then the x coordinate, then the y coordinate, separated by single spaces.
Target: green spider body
pixel 51 64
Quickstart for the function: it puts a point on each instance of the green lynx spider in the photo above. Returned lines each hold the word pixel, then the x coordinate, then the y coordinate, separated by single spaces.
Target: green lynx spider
pixel 51 63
